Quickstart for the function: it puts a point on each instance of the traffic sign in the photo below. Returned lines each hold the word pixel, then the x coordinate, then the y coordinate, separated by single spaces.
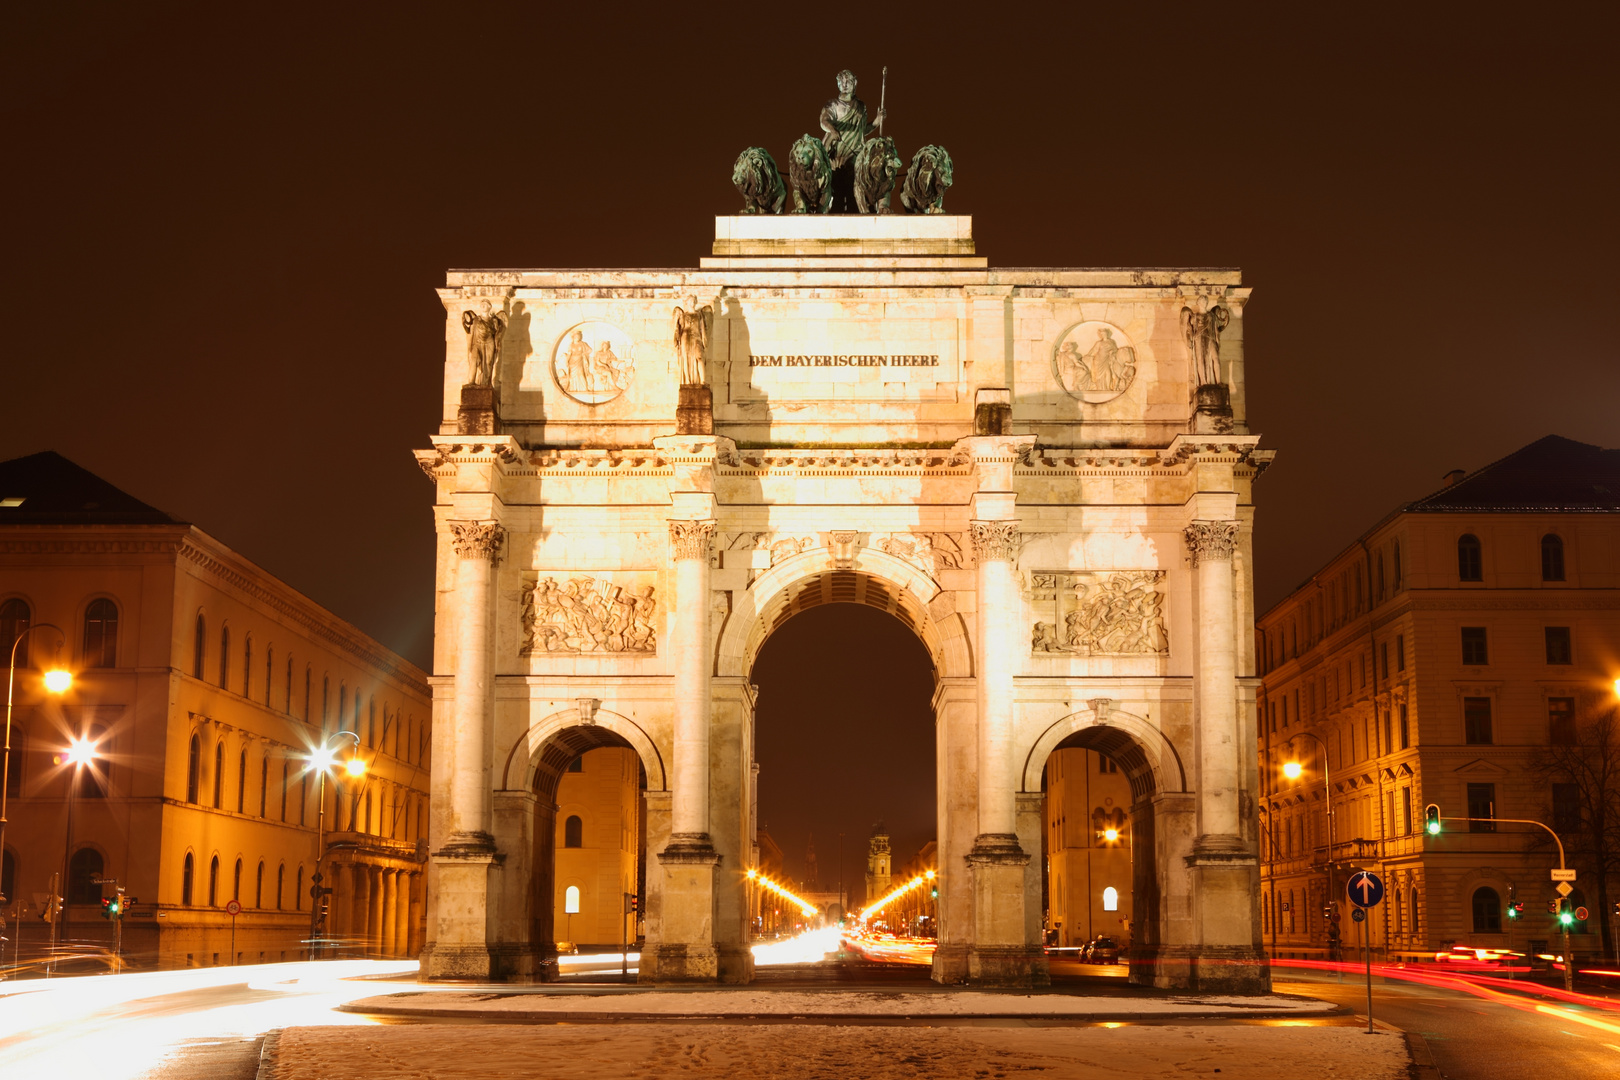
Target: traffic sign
pixel 1581 914
pixel 1358 914
pixel 1563 889
pixel 1563 875
pixel 233 908
pixel 1365 889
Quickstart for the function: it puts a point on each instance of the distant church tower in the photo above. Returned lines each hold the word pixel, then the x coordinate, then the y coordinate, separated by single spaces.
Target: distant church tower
pixel 878 878
pixel 812 876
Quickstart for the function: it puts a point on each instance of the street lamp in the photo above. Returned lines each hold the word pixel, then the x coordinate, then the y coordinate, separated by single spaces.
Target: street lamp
pixel 80 752
pixel 1293 770
pixel 57 681
pixel 321 759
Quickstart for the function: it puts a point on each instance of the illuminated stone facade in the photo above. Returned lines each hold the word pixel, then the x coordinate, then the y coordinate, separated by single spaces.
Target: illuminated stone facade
pixel 1434 661
pixel 1023 466
pixel 203 682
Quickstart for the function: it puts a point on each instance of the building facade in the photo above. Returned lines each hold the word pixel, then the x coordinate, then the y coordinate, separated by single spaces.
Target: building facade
pixel 1044 473
pixel 202 684
pixel 1447 657
pixel 1088 848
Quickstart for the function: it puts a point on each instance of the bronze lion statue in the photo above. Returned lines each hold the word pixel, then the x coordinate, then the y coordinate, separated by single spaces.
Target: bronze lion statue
pixel 810 173
pixel 758 181
pixel 877 166
pixel 926 181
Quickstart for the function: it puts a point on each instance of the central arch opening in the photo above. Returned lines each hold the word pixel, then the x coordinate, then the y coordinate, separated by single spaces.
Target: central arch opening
pixel 845 744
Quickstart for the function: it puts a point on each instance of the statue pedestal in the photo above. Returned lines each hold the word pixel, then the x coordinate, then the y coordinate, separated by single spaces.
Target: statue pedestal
pixel 1212 410
pixel 694 411
pixel 477 415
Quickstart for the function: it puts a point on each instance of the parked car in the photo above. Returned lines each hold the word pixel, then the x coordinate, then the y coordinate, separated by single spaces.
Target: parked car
pixel 1102 950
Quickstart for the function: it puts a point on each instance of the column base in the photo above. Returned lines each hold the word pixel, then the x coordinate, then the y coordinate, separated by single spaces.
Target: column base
pixel 1017 966
pixel 687 951
pixel 467 845
pixel 950 967
pixel 997 864
pixel 1209 969
pixel 483 963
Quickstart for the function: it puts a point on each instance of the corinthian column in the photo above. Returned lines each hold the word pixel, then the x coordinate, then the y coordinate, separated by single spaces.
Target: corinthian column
pixel 689 816
pixel 478 546
pixel 1209 548
pixel 995 546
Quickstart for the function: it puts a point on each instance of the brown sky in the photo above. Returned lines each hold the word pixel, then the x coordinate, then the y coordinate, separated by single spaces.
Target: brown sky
pixel 223 226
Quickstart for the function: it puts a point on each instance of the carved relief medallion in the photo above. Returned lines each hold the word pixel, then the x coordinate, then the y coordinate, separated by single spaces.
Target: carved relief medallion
pixel 1094 361
pixel 583 614
pixel 1099 613
pixel 592 362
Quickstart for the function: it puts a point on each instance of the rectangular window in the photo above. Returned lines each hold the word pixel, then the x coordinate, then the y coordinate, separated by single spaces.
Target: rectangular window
pixel 1473 645
pixel 1566 807
pixel 1477 720
pixel 1363 659
pixel 1406 730
pixel 1400 652
pixel 1285 709
pixel 1558 647
pixel 1389 741
pixel 1481 804
pixel 1561 720
pixel 1396 555
pixel 1383 653
pixel 1406 811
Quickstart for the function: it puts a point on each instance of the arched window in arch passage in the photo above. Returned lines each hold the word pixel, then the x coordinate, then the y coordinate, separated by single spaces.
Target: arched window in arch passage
pixel 573 832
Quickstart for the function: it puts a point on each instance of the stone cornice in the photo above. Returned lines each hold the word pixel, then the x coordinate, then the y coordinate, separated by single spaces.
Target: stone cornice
pixel 300 611
pixel 58 540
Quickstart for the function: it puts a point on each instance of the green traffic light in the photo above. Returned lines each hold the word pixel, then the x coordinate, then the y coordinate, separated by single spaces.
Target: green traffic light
pixel 1434 828
pixel 1512 914
pixel 1567 918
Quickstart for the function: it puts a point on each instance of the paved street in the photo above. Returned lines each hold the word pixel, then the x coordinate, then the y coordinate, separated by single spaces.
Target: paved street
pixel 1501 1036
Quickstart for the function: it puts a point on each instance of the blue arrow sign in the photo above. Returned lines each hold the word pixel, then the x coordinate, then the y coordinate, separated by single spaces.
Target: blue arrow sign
pixel 1365 889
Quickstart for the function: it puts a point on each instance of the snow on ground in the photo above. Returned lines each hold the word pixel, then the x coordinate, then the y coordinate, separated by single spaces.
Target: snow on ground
pixel 782 1052
pixel 789 1003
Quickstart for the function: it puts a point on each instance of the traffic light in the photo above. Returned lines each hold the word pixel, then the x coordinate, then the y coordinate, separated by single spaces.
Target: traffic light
pixel 49 909
pixel 1567 917
pixel 635 902
pixel 1553 906
pixel 112 907
pixel 1431 819
pixel 1515 909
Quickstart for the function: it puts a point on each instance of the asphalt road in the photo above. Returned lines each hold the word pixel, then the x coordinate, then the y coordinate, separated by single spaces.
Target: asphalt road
pixel 1502 1037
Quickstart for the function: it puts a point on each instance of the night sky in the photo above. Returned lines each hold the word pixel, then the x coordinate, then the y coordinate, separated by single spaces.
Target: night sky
pixel 222 227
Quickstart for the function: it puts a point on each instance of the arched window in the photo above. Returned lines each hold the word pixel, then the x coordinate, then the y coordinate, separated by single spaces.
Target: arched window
pixel 224 658
pixel 199 648
pixel 1470 563
pixel 371 721
pixel 219 776
pixel 83 870
pixel 285 766
pixel 367 826
pixel 236 882
pixel 264 783
pixel 1552 557
pixel 1487 910
pixel 187 873
pixel 101 634
pixel 1417 917
pixel 573 832
pixel 213 882
pixel 247 667
pixel 281 884
pixel 269 672
pixel 303 796
pixel 298 893
pixel 194 771
pixel 258 886
pixel 571 900
pixel 326 697
pixel 287 705
pixel 1110 899
pixel 15 619
pixel 241 783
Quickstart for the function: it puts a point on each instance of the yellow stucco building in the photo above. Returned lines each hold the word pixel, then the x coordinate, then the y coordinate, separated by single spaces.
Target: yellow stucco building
pixel 1088 848
pixel 202 684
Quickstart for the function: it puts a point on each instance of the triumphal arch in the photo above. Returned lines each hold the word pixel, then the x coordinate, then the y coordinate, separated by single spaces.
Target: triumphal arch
pixel 1044 473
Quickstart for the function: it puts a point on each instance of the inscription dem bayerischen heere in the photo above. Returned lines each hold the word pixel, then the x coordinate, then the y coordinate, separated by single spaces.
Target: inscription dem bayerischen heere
pixel 906 360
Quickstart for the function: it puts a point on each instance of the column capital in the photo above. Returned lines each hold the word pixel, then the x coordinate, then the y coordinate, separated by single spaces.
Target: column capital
pixel 1210 541
pixel 478 539
pixel 691 539
pixel 994 541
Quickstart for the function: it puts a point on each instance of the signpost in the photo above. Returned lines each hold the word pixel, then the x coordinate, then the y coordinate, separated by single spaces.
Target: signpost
pixel 1366 890
pixel 233 909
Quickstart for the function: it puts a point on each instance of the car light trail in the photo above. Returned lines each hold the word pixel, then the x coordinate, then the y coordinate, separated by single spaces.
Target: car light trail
pixel 809 909
pixel 895 894
pixel 1565 1014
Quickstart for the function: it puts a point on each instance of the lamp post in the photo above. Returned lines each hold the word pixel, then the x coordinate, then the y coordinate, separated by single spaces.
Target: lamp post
pixel 321 759
pixel 80 753
pixel 57 681
pixel 1292 770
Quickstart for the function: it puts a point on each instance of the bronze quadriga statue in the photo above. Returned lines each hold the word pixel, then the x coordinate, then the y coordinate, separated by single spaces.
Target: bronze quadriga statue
pixel 926 181
pixel 877 167
pixel 758 181
pixel 810 173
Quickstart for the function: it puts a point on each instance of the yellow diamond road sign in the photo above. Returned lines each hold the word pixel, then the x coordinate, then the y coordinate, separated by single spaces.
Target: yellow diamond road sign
pixel 1564 889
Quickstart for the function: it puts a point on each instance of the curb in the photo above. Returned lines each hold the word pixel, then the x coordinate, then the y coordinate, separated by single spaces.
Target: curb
pixel 538 1016
pixel 267 1055
pixel 1422 1066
